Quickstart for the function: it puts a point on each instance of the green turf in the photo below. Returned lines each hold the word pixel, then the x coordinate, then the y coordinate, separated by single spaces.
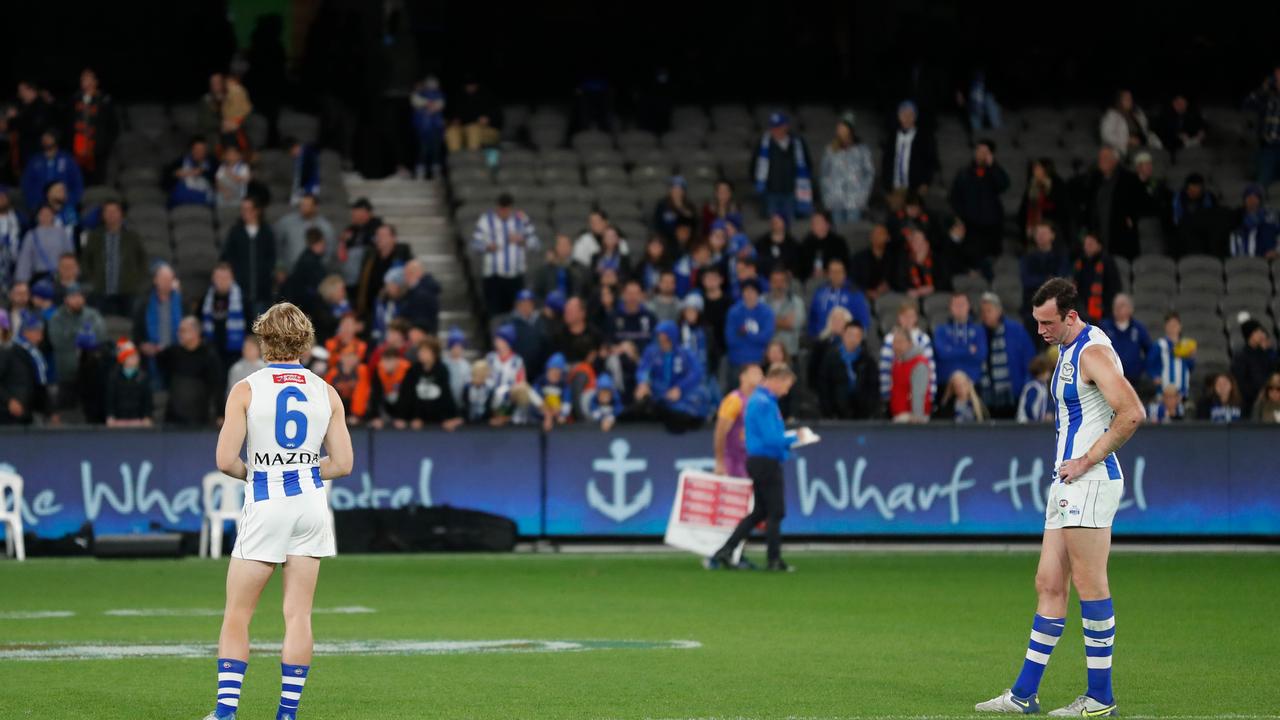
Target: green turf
pixel 849 635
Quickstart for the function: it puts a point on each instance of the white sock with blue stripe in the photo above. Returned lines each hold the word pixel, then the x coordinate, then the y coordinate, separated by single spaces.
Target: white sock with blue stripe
pixel 230 679
pixel 292 679
pixel 1099 620
pixel 1045 633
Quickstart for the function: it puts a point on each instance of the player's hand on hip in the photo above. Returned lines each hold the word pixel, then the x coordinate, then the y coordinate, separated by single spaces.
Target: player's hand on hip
pixel 1071 470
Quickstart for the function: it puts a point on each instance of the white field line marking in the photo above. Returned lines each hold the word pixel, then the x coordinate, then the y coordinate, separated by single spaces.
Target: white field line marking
pixel 971 716
pixel 93 651
pixel 212 612
pixel 35 614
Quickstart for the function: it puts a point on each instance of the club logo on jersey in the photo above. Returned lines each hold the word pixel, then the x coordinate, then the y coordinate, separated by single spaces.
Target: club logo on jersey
pixel 283 378
pixel 1068 373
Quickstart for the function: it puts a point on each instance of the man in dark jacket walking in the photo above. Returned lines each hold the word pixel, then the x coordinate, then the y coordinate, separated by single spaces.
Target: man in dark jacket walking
pixel 250 248
pixel 975 198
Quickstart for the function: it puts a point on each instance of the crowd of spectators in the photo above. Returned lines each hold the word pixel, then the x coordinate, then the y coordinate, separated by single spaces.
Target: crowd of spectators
pixel 588 325
pixel 975 356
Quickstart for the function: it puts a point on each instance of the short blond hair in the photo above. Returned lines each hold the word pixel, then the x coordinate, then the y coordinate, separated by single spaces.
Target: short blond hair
pixel 284 332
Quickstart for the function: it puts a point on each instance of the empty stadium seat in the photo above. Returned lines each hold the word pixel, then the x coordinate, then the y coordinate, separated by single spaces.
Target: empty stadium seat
pixel 1200 264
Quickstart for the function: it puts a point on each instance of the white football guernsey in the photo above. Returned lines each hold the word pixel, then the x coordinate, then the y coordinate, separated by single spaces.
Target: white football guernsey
pixel 288 416
pixel 1083 414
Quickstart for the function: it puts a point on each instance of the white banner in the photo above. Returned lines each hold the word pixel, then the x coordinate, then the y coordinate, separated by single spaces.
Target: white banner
pixel 707 508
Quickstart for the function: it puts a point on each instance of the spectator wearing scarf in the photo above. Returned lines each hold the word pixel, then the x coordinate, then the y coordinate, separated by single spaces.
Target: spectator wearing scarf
pixel 1008 360
pixel 94 126
pixel 1097 278
pixel 1256 234
pixel 850 378
pixel 222 315
pixel 155 325
pixel 782 172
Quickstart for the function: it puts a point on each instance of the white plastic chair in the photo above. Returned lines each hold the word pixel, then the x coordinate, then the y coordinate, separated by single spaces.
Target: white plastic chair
pixel 223 500
pixel 12 519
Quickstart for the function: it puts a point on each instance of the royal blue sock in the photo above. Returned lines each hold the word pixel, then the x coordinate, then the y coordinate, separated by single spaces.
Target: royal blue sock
pixel 1045 633
pixel 230 678
pixel 1099 620
pixel 292 678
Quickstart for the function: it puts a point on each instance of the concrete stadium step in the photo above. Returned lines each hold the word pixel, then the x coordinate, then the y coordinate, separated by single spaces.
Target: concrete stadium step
pixel 420 214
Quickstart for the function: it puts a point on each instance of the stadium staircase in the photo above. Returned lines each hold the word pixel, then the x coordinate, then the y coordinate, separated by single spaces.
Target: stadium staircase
pixel 421 216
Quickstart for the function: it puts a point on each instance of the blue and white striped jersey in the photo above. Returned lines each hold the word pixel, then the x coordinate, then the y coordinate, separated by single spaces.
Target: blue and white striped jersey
pixel 507 258
pixel 1083 414
pixel 287 420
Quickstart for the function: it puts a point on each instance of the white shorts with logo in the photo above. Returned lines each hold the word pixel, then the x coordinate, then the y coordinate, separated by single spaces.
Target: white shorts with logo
pixel 1084 503
pixel 272 529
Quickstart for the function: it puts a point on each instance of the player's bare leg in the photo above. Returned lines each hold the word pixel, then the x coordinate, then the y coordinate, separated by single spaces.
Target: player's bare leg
pixel 1053 575
pixel 300 574
pixel 245 580
pixel 1053 584
pixel 1089 549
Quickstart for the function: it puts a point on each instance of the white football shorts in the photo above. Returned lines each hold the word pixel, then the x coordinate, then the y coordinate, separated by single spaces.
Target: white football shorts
pixel 271 530
pixel 1084 503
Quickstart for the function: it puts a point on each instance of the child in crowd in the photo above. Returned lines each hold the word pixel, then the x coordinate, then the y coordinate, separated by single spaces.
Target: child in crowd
pixel 477 396
pixel 1033 405
pixel 603 405
pixel 553 387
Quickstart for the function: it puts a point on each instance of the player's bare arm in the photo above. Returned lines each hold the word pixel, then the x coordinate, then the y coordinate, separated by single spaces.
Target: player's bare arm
pixel 337 440
pixel 723 425
pixel 231 436
pixel 1097 367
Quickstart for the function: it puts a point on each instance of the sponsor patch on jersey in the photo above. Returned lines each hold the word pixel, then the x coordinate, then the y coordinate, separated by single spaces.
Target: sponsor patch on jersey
pixel 283 378
pixel 1068 373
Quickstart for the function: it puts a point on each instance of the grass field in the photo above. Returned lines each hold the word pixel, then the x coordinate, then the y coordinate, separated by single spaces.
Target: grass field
pixel 847 636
